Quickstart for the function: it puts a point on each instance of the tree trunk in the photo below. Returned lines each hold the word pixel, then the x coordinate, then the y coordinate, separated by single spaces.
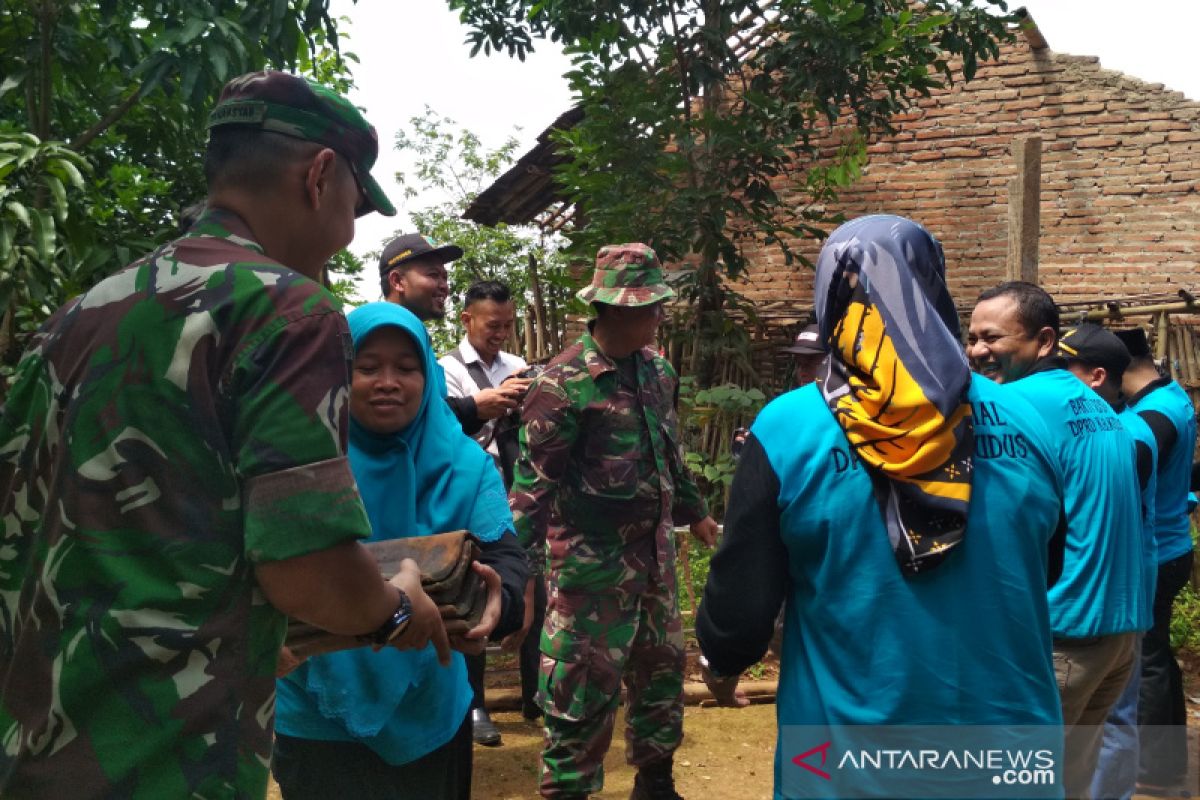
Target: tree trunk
pixel 6 342
pixel 710 301
pixel 529 337
pixel 539 309
pixel 555 325
pixel 710 317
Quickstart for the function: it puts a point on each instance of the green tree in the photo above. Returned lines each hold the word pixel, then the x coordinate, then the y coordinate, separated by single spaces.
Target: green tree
pixel 453 166
pixel 710 125
pixel 103 108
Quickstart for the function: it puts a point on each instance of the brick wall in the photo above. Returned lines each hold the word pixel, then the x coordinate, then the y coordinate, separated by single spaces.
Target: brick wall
pixel 1120 179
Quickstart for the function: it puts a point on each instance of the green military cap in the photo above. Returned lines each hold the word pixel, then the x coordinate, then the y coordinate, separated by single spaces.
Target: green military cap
pixel 293 106
pixel 626 275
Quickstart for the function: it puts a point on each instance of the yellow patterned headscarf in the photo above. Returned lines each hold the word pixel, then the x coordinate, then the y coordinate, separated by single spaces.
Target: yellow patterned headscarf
pixel 898 380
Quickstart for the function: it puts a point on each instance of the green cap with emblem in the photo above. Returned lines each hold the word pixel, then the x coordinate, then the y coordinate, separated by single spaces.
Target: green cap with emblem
pixel 293 106
pixel 627 275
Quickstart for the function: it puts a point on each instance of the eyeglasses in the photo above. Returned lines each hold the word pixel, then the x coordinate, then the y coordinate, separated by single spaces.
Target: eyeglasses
pixel 363 206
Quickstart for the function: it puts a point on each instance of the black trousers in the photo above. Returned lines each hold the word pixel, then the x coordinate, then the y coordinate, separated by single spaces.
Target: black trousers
pixel 475 668
pixel 1162 716
pixel 307 769
pixel 530 656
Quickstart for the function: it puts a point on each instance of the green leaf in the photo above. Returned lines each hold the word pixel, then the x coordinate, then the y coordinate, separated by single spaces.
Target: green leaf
pixel 64 168
pixel 11 82
pixel 19 211
pixel 44 237
pixel 60 196
pixel 192 29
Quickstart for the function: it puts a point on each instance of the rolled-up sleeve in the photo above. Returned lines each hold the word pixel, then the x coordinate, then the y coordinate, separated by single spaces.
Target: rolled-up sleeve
pixel 289 393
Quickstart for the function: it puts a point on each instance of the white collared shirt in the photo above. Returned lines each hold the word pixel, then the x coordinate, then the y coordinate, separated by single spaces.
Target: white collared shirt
pixel 459 382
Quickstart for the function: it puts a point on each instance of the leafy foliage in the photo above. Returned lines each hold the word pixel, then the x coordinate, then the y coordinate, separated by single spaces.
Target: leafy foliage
pixel 104 106
pixel 455 163
pixel 702 147
pixel 708 418
pixel 29 235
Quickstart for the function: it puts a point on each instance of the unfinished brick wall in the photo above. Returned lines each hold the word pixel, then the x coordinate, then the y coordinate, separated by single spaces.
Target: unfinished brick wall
pixel 1120 179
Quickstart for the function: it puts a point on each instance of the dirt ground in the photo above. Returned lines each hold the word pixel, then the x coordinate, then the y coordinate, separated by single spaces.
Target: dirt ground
pixel 726 753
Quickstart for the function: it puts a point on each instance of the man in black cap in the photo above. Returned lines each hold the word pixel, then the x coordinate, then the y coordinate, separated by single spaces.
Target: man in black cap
pixel 1098 358
pixel 809 354
pixel 412 273
pixel 1168 410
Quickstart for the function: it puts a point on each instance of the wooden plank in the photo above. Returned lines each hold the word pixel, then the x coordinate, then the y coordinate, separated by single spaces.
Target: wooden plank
pixel 1024 210
pixel 1182 344
pixel 1189 352
pixel 1162 336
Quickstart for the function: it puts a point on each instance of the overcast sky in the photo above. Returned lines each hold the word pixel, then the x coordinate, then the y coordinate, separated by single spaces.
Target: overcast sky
pixel 412 54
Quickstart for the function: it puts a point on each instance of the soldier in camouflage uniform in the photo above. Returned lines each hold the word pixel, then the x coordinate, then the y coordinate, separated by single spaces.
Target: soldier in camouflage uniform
pixel 599 484
pixel 173 476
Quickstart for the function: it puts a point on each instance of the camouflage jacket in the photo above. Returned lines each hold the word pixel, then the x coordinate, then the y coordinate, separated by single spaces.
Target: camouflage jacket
pixel 600 468
pixel 180 422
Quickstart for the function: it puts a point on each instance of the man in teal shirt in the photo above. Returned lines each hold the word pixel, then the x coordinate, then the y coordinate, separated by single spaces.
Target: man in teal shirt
pixel 1094 605
pixel 1097 357
pixel 1168 411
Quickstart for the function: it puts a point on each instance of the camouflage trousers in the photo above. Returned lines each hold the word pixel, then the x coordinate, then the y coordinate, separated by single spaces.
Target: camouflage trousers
pixel 590 642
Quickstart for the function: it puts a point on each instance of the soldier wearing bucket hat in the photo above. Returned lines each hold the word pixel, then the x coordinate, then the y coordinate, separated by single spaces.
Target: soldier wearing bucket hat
pixel 626 275
pixel 191 431
pixel 599 485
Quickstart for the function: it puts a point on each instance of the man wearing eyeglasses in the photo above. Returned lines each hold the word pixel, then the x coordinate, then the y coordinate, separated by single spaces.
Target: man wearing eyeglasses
pixel 174 477
pixel 1094 604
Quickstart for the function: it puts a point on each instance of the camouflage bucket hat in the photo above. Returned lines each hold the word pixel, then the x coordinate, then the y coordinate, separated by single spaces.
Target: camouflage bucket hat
pixel 626 275
pixel 293 106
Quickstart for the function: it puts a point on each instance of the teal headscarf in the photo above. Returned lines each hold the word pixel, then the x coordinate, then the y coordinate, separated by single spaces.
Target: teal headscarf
pixel 428 478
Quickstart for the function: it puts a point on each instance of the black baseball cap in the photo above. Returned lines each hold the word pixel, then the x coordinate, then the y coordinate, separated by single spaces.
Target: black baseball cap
pixel 1135 342
pixel 414 245
pixel 1095 345
pixel 808 343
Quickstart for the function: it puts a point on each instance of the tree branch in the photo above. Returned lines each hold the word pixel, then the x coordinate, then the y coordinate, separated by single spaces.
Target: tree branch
pixel 49 18
pixel 118 111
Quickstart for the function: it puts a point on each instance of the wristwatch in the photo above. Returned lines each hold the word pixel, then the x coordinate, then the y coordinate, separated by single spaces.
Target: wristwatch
pixel 393 626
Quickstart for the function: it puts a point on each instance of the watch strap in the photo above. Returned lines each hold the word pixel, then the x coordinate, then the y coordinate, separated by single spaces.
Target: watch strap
pixel 393 626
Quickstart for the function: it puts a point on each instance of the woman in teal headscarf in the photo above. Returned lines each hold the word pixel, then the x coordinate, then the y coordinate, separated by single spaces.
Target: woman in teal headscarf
pixel 394 724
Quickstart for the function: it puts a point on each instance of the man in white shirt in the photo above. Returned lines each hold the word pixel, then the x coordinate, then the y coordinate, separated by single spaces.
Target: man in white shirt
pixel 477 365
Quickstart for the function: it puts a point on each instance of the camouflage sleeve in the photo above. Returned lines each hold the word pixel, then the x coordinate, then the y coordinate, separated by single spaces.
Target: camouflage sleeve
pixel 289 392
pixel 549 428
